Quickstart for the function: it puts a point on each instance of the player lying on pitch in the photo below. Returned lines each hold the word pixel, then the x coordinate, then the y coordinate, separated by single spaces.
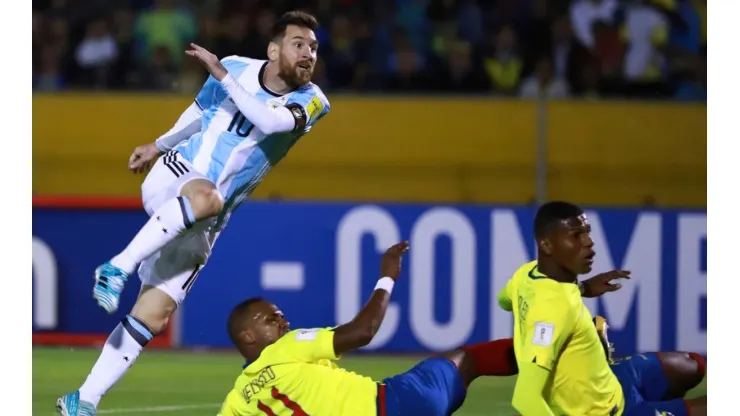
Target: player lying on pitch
pixel 246 118
pixel 293 372
pixel 560 357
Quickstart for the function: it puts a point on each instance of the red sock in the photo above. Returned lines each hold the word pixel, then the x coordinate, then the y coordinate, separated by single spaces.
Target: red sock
pixel 494 358
pixel 700 363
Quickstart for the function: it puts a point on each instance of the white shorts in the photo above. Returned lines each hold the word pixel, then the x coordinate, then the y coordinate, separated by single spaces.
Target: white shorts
pixel 175 267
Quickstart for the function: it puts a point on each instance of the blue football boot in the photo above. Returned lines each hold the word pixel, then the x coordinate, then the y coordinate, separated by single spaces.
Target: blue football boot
pixel 70 405
pixel 109 282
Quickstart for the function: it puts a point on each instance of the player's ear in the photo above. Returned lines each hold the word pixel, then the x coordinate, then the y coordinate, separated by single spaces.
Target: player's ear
pixel 248 336
pixel 545 246
pixel 273 51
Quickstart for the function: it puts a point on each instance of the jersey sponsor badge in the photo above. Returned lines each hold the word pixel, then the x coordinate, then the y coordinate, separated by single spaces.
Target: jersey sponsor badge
pixel 306 334
pixel 543 333
pixel 314 107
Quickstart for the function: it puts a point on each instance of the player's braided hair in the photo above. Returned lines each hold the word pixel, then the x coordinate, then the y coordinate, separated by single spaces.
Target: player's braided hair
pixel 237 318
pixel 295 18
pixel 552 213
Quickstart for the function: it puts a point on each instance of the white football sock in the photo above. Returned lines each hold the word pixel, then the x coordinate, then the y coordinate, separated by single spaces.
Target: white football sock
pixel 119 353
pixel 166 223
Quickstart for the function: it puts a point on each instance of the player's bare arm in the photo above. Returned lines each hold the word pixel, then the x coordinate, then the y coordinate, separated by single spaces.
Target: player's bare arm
pixel 360 331
pixel 209 61
pixel 602 283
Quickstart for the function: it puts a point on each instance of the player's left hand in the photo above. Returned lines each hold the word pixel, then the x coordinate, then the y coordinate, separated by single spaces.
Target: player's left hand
pixel 390 264
pixel 602 283
pixel 143 157
pixel 209 60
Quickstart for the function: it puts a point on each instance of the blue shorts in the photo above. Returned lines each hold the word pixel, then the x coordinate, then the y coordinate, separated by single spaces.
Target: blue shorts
pixel 644 385
pixel 433 387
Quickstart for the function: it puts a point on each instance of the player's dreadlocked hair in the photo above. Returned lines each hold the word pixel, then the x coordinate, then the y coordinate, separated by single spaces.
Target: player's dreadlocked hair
pixel 296 18
pixel 552 213
pixel 236 318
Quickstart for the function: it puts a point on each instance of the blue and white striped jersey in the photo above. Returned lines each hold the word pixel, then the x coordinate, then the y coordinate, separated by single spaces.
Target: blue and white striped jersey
pixel 228 149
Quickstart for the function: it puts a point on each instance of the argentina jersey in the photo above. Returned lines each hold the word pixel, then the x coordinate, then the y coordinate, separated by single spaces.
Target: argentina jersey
pixel 228 149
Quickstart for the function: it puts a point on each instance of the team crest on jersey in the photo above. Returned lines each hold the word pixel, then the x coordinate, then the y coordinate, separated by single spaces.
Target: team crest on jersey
pixel 277 101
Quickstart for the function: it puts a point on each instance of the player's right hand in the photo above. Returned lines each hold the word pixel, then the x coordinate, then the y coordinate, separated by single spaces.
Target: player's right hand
pixel 602 283
pixel 390 265
pixel 143 158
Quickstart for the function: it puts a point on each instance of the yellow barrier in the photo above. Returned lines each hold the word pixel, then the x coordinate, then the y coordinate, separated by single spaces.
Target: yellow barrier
pixel 405 149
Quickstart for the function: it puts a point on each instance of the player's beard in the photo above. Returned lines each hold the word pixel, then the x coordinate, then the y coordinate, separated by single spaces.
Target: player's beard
pixel 293 74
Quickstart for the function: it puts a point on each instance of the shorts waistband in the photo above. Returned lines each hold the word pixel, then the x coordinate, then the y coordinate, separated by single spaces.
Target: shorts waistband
pixel 380 400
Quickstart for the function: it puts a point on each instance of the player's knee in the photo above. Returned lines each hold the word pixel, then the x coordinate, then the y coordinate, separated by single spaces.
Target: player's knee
pixel 154 314
pixel 156 323
pixel 686 370
pixel 206 203
pixel 700 366
pixel 160 325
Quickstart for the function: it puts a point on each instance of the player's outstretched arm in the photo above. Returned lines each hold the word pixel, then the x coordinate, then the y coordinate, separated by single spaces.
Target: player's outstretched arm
pixel 262 116
pixel 360 331
pixel 602 283
pixel 266 119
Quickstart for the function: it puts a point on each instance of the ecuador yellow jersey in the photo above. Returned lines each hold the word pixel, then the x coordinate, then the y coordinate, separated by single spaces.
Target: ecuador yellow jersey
pixel 554 329
pixel 297 376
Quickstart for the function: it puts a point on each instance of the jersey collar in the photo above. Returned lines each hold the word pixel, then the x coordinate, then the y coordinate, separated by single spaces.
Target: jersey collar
pixel 261 78
pixel 535 274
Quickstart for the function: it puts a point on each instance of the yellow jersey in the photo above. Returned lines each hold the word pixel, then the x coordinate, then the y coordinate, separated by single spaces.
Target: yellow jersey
pixel 297 376
pixel 554 329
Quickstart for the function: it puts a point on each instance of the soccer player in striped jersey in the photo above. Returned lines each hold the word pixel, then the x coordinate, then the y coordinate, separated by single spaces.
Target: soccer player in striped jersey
pixel 245 119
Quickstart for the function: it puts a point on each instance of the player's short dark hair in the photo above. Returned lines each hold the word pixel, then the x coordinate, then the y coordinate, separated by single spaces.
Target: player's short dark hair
pixel 237 316
pixel 553 213
pixel 295 18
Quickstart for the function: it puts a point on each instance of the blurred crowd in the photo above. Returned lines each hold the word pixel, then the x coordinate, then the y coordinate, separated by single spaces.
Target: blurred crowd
pixel 554 48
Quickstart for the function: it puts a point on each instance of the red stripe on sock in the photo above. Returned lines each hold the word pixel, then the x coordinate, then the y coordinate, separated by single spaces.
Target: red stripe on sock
pixel 381 400
pixel 688 407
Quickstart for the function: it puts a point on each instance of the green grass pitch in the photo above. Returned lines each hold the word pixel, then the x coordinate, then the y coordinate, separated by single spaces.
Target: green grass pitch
pixel 194 383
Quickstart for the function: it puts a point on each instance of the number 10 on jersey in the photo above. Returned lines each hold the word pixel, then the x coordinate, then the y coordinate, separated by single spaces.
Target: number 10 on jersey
pixel 240 125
